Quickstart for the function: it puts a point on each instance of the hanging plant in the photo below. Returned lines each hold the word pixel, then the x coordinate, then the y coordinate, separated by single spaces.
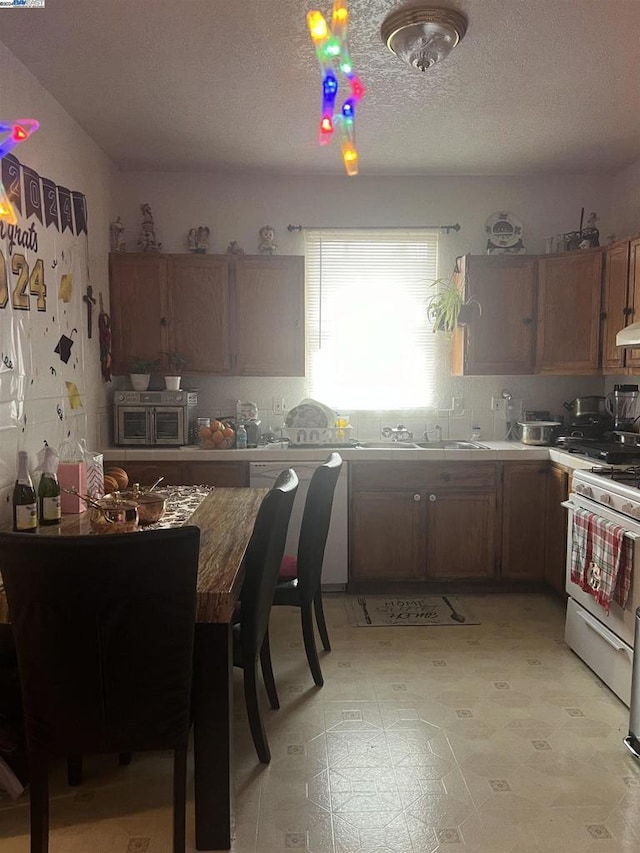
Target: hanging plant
pixel 446 308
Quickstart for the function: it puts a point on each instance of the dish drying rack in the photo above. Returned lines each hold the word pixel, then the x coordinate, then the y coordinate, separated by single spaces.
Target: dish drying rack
pixel 317 435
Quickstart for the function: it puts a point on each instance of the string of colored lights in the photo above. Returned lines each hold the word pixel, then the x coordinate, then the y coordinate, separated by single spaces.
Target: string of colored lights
pixel 17 132
pixel 333 55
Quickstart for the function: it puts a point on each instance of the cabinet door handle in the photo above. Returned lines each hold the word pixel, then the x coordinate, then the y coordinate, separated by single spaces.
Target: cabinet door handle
pixel 433 498
pixel 163 321
pixel 417 498
pixel 527 321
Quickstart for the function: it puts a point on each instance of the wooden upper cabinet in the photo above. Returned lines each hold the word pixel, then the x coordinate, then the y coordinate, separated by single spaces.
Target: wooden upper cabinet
pixel 237 315
pixel 199 305
pixel 632 359
pixel 269 315
pixel 615 306
pixel 568 327
pixel 139 309
pixel 501 339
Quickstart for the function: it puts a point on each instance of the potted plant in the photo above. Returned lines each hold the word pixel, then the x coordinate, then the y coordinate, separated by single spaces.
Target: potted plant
pixel 447 308
pixel 140 373
pixel 172 364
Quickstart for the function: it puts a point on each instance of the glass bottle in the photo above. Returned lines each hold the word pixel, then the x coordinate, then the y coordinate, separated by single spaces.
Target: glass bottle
pixel 49 490
pixel 25 507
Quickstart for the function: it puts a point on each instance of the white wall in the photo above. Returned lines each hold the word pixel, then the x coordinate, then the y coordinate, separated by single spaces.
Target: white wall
pixel 626 201
pixel 236 206
pixel 61 151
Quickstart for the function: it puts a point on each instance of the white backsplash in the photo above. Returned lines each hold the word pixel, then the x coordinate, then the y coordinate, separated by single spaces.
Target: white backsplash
pixel 218 396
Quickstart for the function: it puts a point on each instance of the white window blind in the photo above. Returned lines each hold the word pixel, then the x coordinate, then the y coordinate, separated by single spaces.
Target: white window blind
pixel 369 341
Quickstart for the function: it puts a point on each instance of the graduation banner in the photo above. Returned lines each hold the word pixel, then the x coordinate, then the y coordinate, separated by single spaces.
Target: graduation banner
pixel 43 277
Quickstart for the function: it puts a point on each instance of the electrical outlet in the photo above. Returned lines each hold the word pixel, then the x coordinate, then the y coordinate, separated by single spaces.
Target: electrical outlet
pixel 457 405
pixel 498 405
pixel 278 405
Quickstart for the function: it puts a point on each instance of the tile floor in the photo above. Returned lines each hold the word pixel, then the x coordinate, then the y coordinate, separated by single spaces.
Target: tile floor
pixel 487 739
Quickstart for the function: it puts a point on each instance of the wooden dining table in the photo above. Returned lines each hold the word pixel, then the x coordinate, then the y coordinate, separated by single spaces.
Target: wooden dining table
pixel 225 518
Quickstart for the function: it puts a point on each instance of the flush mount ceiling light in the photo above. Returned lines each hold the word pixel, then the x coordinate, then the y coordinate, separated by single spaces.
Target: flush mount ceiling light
pixel 422 35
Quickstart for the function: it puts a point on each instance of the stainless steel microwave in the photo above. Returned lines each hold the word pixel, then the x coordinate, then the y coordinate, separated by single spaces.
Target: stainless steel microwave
pixel 155 417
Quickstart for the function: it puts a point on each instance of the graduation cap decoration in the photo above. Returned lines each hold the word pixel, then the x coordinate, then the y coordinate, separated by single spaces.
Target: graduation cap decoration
pixel 63 347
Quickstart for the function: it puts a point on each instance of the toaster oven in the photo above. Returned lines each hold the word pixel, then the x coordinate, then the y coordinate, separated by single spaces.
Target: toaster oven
pixel 142 418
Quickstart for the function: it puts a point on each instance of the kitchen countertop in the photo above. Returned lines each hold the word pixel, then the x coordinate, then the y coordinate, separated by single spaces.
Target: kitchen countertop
pixel 496 451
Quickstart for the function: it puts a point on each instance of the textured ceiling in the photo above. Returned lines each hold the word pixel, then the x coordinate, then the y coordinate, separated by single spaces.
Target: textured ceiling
pixel 535 86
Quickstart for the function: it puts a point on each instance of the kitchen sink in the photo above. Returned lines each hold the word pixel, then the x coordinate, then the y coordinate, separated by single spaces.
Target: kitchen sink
pixel 387 445
pixel 448 443
pixel 451 444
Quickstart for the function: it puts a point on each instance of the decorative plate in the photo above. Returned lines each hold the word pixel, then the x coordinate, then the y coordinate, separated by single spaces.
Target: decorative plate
pixel 503 229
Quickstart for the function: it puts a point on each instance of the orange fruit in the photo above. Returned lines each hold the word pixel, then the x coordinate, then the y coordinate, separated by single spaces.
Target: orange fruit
pixel 119 475
pixel 217 437
pixel 204 431
pixel 228 432
pixel 110 485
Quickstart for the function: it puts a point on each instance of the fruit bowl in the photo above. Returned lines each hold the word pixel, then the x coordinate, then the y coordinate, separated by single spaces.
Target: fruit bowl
pixel 218 436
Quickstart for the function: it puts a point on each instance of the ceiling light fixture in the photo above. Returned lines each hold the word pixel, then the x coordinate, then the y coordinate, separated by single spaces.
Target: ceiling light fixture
pixel 422 35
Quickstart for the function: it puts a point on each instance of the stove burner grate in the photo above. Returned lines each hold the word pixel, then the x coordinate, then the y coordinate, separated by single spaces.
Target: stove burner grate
pixel 630 474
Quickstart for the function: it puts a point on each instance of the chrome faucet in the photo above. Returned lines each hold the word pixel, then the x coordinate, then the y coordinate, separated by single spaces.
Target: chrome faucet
pixel 399 433
pixel 438 431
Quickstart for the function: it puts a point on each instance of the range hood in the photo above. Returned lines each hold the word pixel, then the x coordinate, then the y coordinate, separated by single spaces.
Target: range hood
pixel 629 336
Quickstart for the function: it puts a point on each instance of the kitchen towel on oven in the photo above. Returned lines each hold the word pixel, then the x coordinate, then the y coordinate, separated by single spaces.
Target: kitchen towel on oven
pixel 601 558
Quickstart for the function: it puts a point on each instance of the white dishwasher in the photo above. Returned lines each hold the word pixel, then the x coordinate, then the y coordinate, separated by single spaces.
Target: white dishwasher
pixel 336 554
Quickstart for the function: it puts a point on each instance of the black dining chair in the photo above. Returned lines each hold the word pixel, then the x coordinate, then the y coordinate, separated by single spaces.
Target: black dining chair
pixel 299 581
pixel 250 633
pixel 103 628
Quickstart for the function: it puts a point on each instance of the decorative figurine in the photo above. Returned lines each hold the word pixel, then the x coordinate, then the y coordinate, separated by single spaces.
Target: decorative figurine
pixel 588 234
pixel 267 246
pixel 147 240
pixel 117 236
pixel 198 239
pixel 504 234
pixel 202 240
pixel 234 248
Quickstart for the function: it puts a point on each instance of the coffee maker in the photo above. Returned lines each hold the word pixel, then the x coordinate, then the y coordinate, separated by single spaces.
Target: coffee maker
pixel 621 404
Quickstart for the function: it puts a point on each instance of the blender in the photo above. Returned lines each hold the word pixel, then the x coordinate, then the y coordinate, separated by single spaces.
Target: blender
pixel 621 405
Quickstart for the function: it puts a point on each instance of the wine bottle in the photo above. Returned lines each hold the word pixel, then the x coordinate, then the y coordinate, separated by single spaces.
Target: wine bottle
pixel 25 507
pixel 49 490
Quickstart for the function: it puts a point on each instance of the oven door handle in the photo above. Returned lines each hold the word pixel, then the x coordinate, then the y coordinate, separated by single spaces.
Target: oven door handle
pixel 628 534
pixel 607 636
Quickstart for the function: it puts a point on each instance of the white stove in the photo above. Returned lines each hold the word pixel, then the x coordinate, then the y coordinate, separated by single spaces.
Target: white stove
pixel 605 641
pixel 616 488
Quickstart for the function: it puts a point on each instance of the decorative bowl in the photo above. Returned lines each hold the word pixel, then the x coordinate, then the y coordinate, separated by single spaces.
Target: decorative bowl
pixel 151 505
pixel 111 514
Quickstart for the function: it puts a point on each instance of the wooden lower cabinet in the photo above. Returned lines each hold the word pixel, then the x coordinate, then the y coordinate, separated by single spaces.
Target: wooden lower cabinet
pixel 556 528
pixel 424 522
pixel 524 500
pixel 223 474
pixel 186 473
pixel 500 524
pixel 461 536
pixel 388 536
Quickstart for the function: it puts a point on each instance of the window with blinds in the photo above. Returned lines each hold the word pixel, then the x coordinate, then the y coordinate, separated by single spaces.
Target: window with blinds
pixel 369 341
